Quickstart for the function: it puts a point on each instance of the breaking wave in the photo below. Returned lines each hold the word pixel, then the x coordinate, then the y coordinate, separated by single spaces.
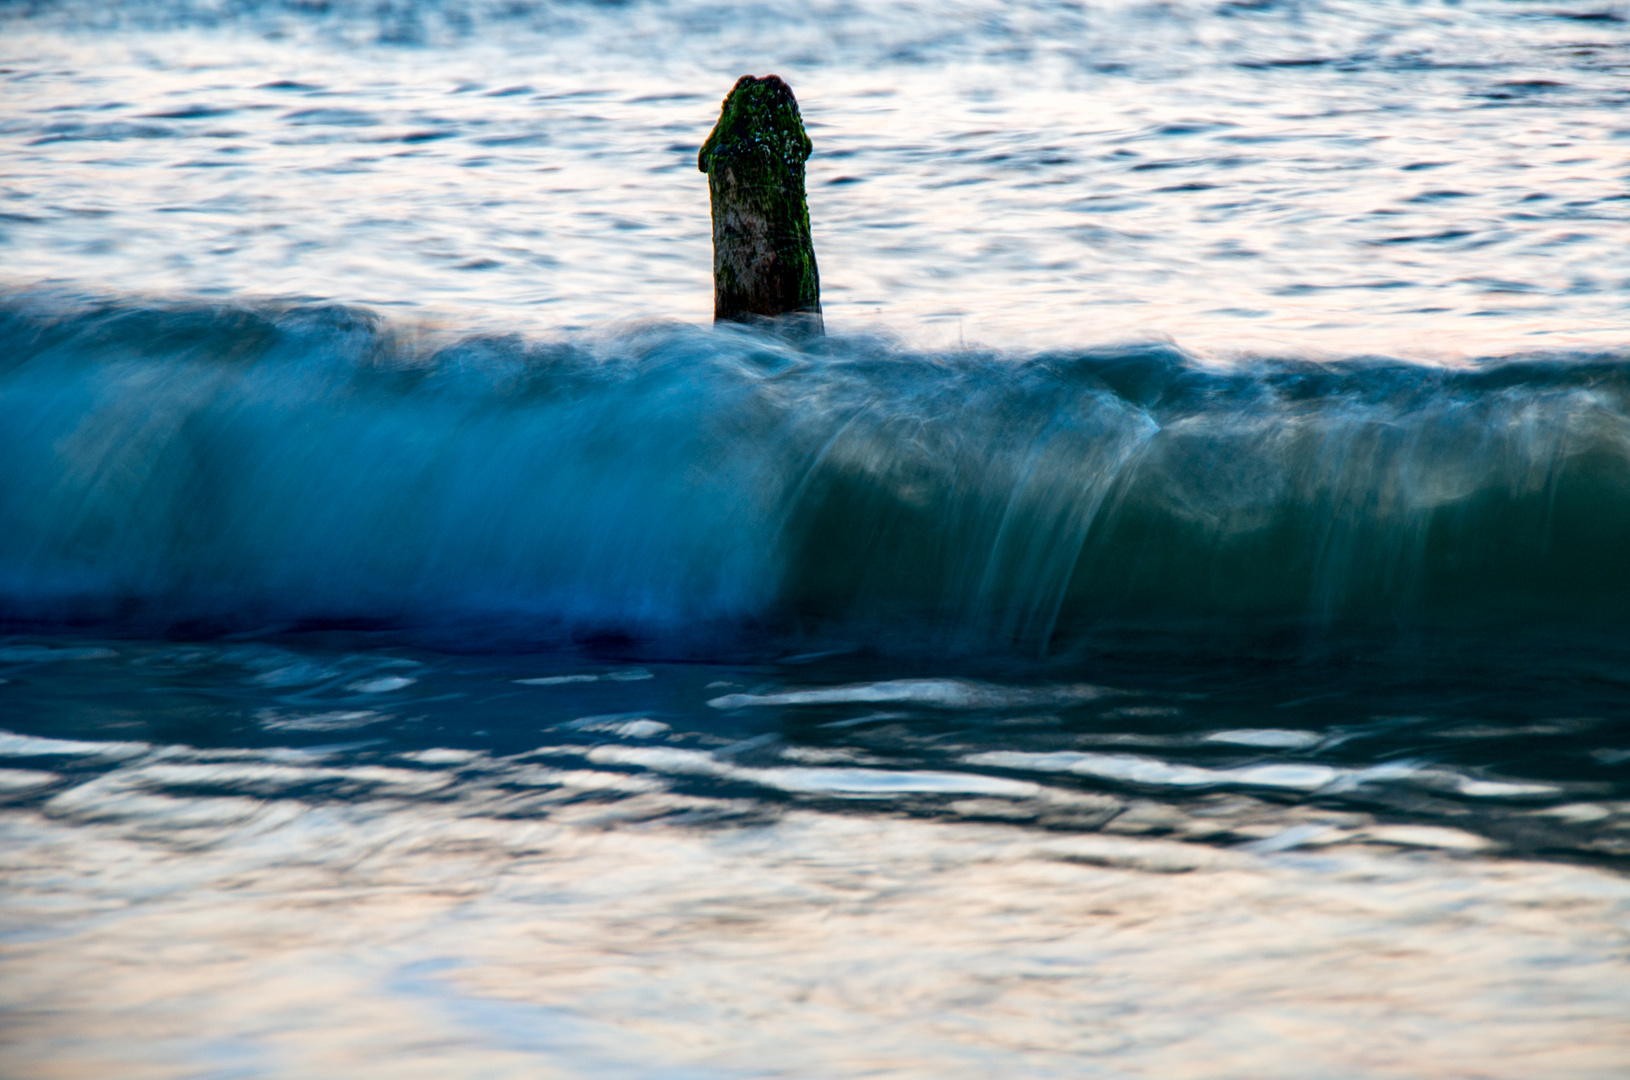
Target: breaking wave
pixel 201 468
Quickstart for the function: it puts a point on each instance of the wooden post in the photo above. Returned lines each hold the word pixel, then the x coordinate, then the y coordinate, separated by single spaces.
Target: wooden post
pixel 763 256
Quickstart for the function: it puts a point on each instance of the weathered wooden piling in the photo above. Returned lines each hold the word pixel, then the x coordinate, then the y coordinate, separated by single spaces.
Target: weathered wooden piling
pixel 763 255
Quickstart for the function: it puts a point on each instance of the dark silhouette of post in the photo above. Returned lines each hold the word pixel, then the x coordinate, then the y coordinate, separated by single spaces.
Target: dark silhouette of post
pixel 763 256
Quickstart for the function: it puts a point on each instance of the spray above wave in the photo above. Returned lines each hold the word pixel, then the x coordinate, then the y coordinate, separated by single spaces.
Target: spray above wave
pixel 211 468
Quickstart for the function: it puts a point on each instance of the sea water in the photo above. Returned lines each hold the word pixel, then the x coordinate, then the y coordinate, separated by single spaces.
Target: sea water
pixel 1173 625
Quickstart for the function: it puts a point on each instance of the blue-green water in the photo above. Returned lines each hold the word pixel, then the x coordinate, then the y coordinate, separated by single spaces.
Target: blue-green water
pixel 1172 626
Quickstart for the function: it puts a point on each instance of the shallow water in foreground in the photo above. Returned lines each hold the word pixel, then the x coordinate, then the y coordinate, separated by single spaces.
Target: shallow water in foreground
pixel 329 854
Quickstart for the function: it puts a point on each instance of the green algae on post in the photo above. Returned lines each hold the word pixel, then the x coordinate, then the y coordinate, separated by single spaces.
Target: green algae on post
pixel 763 255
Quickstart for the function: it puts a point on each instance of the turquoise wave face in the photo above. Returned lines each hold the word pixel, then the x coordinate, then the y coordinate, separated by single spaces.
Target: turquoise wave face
pixel 221 468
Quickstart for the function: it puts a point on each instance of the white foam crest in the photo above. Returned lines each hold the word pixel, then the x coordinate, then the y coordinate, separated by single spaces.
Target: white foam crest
pixel 1275 738
pixel 270 778
pixel 442 755
pixel 637 727
pixel 1494 789
pixel 1146 770
pixel 335 720
pixel 25 779
pixel 933 693
pixel 382 685
pixel 1298 776
pixel 1427 836
pixel 13 745
pixel 848 782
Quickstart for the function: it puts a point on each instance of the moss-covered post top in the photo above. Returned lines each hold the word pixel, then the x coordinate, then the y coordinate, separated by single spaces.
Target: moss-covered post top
pixel 758 114
pixel 763 254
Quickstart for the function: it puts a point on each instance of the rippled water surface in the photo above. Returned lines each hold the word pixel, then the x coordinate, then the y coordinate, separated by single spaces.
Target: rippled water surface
pixel 291 860
pixel 1339 177
pixel 1172 627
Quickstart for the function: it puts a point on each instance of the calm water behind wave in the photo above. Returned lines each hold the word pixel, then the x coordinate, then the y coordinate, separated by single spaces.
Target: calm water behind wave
pixel 1316 177
pixel 429 649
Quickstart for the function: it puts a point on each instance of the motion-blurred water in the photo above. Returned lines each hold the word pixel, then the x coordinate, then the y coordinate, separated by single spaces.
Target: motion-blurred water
pixel 1173 626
